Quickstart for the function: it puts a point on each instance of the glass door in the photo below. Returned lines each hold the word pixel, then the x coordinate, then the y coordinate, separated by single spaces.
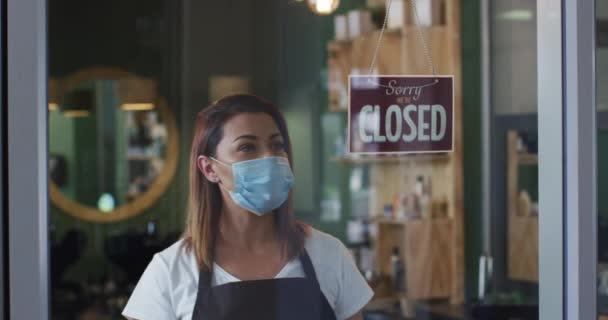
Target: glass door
pixel 100 135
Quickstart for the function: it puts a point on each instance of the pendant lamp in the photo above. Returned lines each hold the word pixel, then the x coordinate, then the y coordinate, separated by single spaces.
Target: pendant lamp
pixel 323 7
pixel 137 93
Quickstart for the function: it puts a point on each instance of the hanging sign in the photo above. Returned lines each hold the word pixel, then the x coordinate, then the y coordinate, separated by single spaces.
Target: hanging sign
pixel 400 114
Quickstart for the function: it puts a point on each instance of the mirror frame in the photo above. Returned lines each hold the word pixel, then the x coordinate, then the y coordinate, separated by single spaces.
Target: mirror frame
pixel 156 189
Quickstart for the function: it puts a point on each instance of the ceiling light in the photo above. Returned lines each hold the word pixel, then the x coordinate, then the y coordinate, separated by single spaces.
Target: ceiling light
pixel 517 15
pixel 137 106
pixel 323 7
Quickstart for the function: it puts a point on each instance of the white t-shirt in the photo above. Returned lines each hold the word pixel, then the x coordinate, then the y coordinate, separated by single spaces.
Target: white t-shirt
pixel 168 287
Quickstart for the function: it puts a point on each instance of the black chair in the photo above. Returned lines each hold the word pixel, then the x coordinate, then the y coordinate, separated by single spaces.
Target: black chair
pixel 67 298
pixel 132 251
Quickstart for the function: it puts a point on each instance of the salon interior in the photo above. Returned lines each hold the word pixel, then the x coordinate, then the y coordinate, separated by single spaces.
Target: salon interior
pixel 441 235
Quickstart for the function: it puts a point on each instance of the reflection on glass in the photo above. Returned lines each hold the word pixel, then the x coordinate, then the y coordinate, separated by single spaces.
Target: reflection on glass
pixel 512 289
pixel 402 217
pixel 103 149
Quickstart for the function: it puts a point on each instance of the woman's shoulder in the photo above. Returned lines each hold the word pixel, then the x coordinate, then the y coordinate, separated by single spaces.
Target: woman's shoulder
pixel 324 248
pixel 177 256
pixel 338 275
pixel 318 239
pixel 165 287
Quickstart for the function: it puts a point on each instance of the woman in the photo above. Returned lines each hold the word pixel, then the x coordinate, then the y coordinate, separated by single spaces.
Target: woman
pixel 243 254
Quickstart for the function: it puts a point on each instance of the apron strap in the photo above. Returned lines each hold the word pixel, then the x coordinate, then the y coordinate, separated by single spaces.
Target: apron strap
pixel 202 294
pixel 204 280
pixel 309 270
pixel 205 276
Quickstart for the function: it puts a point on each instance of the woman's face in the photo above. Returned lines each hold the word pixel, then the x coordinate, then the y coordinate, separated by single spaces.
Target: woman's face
pixel 246 136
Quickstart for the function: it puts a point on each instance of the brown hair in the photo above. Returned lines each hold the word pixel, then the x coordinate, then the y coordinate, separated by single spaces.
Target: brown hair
pixel 205 201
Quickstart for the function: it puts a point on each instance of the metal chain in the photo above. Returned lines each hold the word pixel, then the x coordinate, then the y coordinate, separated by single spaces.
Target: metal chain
pixel 427 52
pixel 375 57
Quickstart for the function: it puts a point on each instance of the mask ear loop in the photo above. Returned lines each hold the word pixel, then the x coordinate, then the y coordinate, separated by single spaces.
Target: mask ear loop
pixel 219 183
pixel 222 162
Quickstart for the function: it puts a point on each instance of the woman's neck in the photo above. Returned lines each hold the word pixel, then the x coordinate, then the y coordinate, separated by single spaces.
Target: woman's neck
pixel 242 229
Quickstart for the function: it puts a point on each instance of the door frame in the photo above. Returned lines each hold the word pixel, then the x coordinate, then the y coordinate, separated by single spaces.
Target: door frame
pixel 567 156
pixel 550 159
pixel 27 196
pixel 580 159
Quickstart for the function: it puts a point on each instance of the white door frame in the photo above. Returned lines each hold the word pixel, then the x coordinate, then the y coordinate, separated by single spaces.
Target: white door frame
pixel 550 155
pixel 567 157
pixel 27 159
pixel 580 159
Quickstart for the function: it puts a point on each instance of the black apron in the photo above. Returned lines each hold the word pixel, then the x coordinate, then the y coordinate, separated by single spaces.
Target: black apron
pixel 280 299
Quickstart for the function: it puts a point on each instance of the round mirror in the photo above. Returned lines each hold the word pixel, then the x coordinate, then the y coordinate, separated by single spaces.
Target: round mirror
pixel 113 144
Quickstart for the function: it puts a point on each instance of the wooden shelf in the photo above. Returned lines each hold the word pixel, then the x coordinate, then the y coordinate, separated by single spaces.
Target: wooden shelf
pixel 379 159
pixel 392 31
pixel 337 109
pixel 433 249
pixel 527 159
pixel 426 248
pixel 392 221
pixel 336 42
pixel 405 222
pixel 522 227
pixel 351 57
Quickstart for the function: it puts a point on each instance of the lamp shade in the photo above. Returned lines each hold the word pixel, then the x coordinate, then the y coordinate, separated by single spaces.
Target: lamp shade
pixel 137 93
pixel 78 103
pixel 224 85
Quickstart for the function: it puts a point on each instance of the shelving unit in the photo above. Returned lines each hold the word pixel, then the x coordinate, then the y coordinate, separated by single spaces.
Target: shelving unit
pixel 522 232
pixel 426 251
pixel 432 249
pixel 338 64
pixel 352 160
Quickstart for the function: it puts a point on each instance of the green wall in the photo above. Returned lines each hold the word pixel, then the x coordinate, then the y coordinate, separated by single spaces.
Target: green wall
pixel 303 97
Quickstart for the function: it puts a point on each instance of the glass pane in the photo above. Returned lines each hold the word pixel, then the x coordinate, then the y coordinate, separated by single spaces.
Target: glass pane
pixel 602 155
pixel 147 155
pixel 514 160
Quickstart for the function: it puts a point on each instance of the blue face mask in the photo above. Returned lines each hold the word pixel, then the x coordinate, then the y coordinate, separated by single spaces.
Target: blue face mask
pixel 261 185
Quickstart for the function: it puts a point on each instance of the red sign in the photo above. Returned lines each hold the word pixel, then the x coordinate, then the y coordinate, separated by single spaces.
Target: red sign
pixel 400 114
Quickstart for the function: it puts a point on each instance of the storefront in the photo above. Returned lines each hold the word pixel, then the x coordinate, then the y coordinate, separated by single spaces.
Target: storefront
pixel 480 200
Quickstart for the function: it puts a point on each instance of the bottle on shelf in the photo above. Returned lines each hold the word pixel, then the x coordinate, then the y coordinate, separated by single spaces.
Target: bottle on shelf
pixel 397 271
pixel 422 191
